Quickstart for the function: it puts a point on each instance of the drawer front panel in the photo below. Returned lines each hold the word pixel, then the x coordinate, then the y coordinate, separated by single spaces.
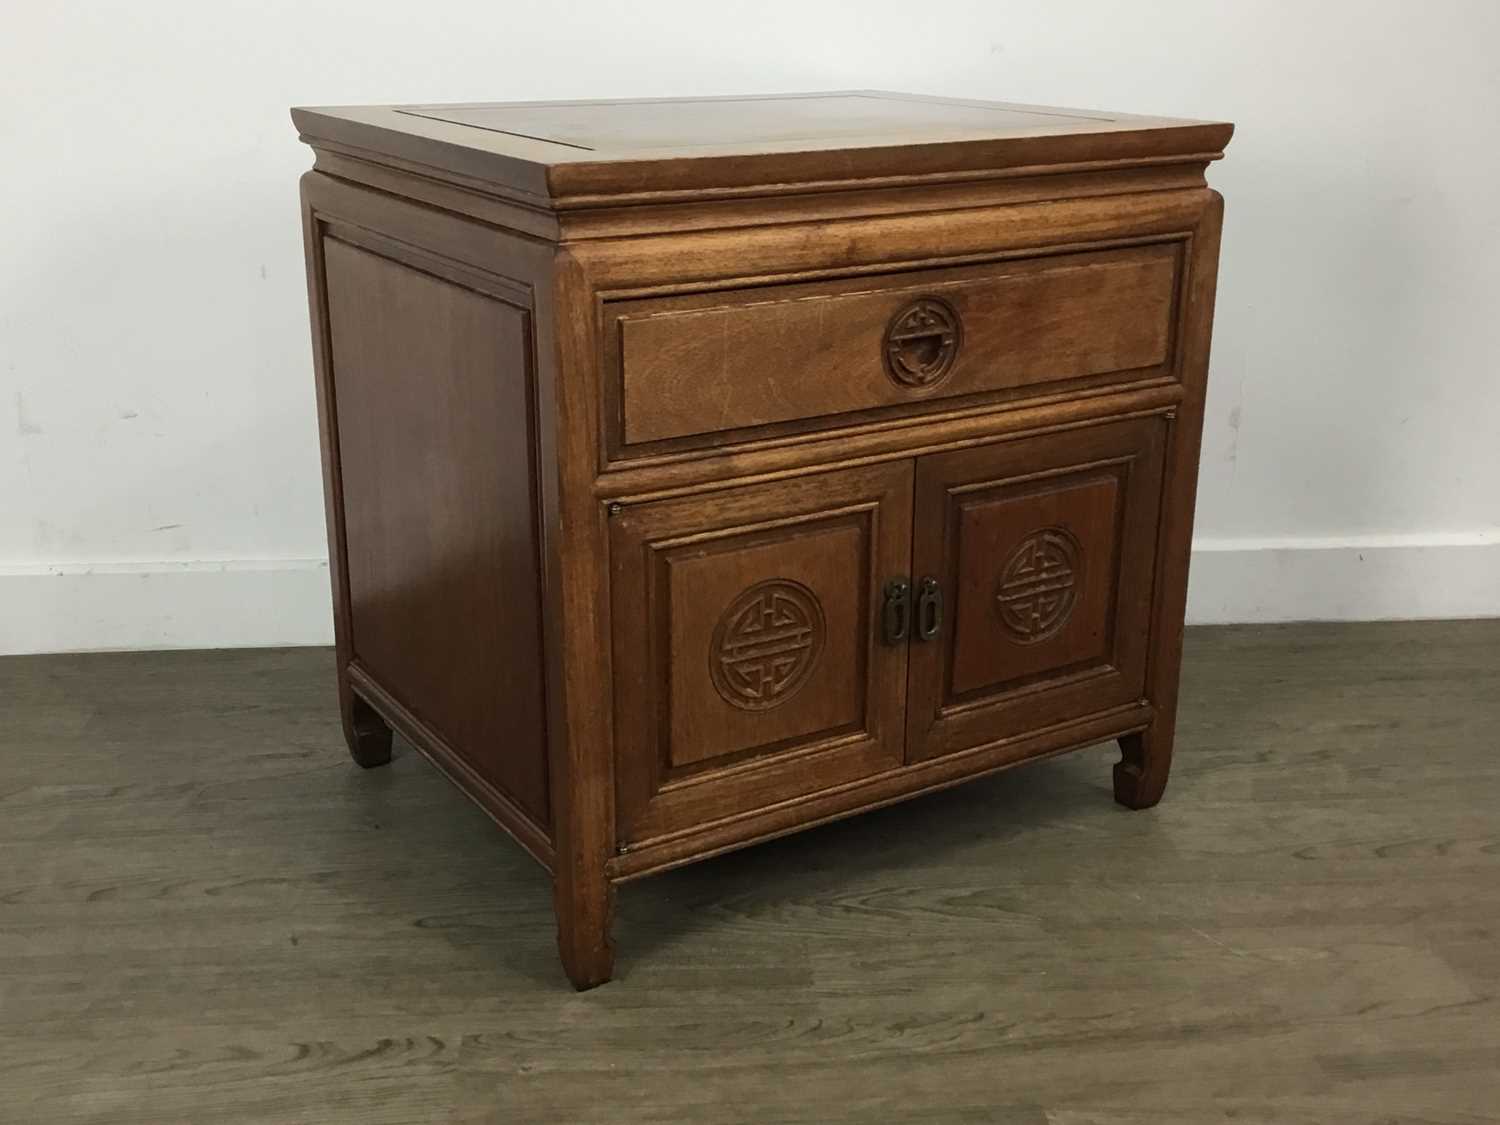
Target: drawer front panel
pixel 747 663
pixel 708 363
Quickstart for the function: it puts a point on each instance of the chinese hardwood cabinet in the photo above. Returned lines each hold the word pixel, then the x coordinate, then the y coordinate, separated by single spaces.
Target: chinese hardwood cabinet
pixel 700 470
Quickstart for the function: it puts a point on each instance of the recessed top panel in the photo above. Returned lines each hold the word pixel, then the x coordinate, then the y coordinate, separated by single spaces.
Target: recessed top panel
pixel 817 120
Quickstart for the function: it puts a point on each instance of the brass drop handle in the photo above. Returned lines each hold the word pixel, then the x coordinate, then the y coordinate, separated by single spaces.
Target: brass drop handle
pixel 929 610
pixel 895 615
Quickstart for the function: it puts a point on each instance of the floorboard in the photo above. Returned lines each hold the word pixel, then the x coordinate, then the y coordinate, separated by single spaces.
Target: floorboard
pixel 208 914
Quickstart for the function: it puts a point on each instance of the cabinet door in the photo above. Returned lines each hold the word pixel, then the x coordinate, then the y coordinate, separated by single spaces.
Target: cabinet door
pixel 749 666
pixel 1041 555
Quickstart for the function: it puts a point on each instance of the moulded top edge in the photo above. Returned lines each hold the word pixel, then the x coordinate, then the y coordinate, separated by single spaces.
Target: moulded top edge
pixel 554 150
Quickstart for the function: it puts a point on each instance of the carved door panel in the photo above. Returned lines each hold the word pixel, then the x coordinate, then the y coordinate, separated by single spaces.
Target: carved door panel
pixel 748 654
pixel 1033 564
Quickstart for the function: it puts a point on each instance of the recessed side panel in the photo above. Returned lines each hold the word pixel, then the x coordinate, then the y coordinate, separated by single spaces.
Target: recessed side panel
pixel 433 395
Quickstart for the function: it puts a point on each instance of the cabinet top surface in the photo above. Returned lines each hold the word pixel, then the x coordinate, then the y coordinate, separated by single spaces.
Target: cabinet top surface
pixel 613 147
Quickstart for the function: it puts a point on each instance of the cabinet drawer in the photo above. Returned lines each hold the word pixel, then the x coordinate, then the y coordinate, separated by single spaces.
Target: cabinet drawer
pixel 680 368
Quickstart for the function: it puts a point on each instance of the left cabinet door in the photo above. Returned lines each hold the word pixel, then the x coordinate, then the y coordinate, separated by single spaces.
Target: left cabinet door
pixel 750 665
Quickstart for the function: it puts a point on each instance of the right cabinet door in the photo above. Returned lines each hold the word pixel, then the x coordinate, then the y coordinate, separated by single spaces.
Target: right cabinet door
pixel 1033 572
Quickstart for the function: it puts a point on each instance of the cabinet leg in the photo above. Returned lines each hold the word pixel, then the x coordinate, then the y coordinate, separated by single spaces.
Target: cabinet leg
pixel 585 912
pixel 1145 761
pixel 368 735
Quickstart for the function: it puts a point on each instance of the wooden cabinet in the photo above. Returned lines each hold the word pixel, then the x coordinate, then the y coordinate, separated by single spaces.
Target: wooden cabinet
pixel 701 470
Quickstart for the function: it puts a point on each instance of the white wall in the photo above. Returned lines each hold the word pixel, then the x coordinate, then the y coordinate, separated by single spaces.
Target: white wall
pixel 159 480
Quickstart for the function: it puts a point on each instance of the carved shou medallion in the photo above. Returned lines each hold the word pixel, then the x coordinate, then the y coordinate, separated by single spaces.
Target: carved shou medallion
pixel 922 342
pixel 766 643
pixel 1038 586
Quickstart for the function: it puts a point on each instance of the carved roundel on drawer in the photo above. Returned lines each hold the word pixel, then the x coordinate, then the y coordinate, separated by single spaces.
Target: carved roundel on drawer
pixel 922 341
pixel 766 643
pixel 1039 585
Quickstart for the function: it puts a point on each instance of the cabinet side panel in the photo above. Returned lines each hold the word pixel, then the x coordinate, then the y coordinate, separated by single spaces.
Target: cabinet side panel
pixel 434 404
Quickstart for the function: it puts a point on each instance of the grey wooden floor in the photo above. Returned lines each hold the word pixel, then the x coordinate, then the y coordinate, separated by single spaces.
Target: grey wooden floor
pixel 207 914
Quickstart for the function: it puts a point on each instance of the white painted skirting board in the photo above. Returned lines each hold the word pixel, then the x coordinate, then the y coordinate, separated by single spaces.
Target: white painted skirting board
pixel 1368 579
pixel 99 606
pixel 255 603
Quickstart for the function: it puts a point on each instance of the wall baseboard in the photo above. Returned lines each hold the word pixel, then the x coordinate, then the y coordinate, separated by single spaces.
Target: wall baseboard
pixel 160 605
pixel 1368 579
pixel 260 603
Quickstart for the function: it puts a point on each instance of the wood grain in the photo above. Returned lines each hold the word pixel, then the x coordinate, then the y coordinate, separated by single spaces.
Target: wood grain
pixel 739 360
pixel 207 915
pixel 433 393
